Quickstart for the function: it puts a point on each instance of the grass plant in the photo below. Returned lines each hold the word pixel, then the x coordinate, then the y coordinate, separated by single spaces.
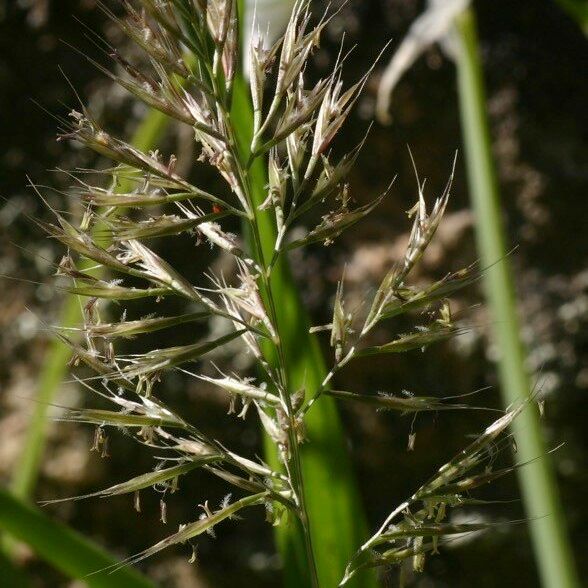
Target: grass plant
pixel 270 143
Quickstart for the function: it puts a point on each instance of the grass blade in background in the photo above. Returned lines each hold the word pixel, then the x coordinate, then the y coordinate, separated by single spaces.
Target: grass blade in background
pixel 55 364
pixel 63 548
pixel 548 530
pixel 11 574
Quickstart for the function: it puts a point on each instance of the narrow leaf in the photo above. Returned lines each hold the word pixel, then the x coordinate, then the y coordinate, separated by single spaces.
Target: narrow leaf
pixel 117 419
pixel 161 226
pixel 129 329
pixel 101 289
pixel 407 404
pixel 74 555
pixel 100 197
pixel 415 340
pixel 145 480
pixel 159 359
pixel 203 525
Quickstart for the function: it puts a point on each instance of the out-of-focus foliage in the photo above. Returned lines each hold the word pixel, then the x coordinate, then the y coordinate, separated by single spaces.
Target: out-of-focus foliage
pixel 577 9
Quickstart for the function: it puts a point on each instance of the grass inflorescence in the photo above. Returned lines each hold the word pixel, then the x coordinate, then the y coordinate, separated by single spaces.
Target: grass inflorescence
pixel 193 50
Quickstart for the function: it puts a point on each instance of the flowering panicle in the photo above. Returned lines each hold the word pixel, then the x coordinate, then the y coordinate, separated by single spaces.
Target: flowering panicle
pixel 191 48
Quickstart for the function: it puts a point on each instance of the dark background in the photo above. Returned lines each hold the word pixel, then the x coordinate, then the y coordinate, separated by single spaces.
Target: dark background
pixel 535 60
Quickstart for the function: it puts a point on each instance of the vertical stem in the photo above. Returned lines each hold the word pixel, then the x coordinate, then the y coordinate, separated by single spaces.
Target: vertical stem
pixel 335 514
pixel 548 531
pixel 293 444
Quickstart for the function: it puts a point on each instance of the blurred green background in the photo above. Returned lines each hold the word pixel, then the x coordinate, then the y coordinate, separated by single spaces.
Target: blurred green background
pixel 534 57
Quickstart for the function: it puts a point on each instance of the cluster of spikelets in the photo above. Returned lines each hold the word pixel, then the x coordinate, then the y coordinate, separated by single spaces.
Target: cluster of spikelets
pixel 192 46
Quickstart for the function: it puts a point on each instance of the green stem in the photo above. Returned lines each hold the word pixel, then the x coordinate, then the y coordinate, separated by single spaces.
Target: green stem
pixel 293 444
pixel 274 349
pixel 335 514
pixel 55 363
pixel 537 479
